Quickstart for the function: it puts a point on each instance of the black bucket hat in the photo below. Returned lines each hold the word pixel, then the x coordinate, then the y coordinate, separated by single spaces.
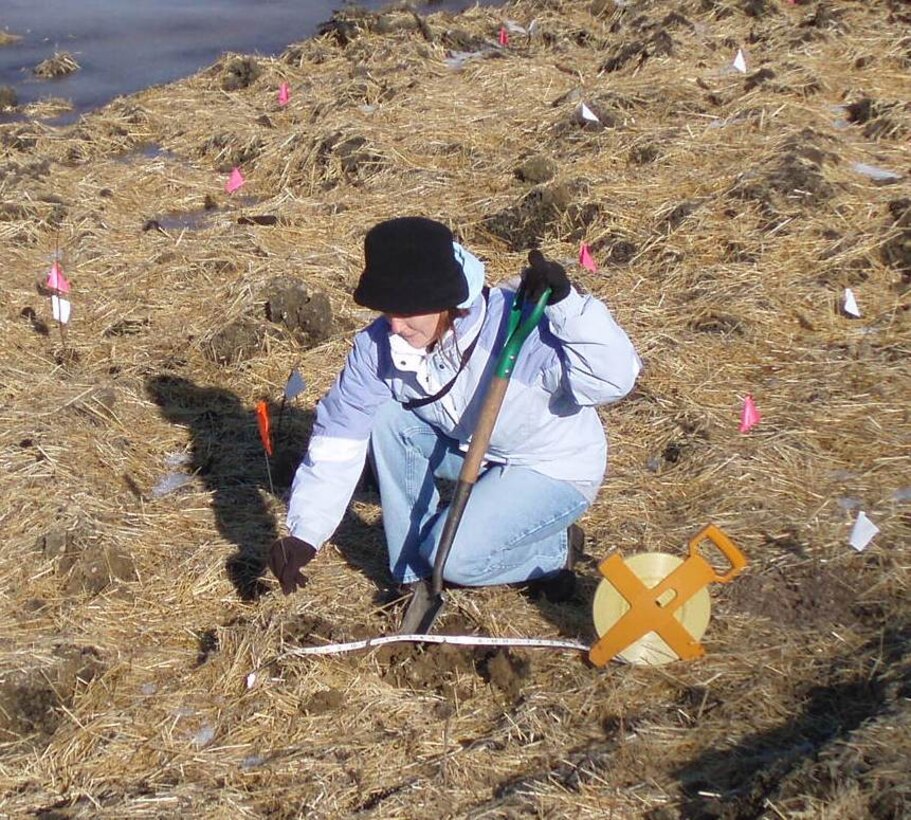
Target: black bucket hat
pixel 410 267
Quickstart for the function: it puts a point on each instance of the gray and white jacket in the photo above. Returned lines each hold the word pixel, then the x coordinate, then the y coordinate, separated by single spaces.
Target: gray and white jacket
pixel 577 358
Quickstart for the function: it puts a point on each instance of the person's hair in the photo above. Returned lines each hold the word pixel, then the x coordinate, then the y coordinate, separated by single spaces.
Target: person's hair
pixel 446 321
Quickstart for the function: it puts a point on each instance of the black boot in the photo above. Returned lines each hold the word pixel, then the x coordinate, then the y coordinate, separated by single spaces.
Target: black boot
pixel 561 587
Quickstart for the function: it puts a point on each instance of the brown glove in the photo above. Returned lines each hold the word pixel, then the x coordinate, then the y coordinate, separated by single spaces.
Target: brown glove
pixel 286 558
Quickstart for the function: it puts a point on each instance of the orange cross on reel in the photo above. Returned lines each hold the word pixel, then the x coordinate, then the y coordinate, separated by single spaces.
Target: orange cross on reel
pixel 653 608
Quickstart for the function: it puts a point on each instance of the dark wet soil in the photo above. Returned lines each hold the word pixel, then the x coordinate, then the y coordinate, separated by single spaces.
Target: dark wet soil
pixel 810 595
pixel 544 208
pixel 304 311
pixel 32 700
pixel 236 341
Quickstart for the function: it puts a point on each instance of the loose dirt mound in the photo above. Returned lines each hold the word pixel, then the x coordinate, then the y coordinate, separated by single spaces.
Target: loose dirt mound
pixel 727 211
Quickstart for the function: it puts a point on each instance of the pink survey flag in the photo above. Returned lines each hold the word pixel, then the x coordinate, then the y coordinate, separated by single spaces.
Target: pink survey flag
pixel 750 415
pixel 56 280
pixel 586 260
pixel 284 94
pixel 504 36
pixel 235 181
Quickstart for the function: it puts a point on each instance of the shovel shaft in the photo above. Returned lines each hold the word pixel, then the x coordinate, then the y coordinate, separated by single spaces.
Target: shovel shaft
pixel 468 475
pixel 424 608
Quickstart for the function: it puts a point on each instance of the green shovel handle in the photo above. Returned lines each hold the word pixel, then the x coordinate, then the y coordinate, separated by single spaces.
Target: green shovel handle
pixel 518 333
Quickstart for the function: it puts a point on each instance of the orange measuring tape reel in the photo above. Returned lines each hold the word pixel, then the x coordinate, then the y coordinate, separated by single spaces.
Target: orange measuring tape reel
pixel 653 608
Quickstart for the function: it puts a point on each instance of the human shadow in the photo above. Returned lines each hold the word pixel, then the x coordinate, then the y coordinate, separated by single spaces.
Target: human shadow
pixel 227 455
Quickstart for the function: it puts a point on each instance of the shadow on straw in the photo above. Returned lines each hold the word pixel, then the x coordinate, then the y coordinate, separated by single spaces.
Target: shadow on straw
pixel 226 453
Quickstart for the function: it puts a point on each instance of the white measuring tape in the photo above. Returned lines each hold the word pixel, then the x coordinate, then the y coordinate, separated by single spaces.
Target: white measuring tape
pixel 458 640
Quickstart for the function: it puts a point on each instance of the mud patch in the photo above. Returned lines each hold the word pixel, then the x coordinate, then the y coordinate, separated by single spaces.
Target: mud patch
pixel 504 671
pixel 235 342
pixel 238 73
pixel 545 209
pixel 326 700
pixel 303 311
pixel 807 596
pixel 31 700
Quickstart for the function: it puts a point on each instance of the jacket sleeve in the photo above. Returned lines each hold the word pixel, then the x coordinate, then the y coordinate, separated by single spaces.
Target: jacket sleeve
pixel 599 362
pixel 328 474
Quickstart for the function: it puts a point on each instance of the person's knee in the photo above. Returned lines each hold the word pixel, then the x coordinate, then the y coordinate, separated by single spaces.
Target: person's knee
pixel 467 572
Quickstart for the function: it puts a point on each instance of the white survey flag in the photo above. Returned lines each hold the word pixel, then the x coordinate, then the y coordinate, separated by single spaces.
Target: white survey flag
pixel 61 309
pixel 740 62
pixel 863 532
pixel 588 115
pixel 296 385
pixel 850 304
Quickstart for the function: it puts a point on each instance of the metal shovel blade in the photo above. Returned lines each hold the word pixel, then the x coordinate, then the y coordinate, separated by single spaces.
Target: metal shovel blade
pixel 423 610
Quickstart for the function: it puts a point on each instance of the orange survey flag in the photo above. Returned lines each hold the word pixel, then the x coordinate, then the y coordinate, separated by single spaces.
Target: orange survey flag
pixel 265 431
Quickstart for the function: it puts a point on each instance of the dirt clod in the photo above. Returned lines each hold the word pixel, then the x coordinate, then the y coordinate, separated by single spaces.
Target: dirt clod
pixel 536 169
pixel 505 671
pixel 53 543
pixel 896 251
pixel 236 341
pixel 239 72
pixel 304 311
pixel 95 567
pixel 8 97
pixel 543 209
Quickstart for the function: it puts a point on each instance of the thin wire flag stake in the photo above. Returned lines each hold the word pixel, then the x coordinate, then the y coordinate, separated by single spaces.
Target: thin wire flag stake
pixel 265 435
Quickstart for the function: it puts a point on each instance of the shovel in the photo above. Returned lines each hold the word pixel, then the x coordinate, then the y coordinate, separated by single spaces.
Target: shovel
pixel 427 600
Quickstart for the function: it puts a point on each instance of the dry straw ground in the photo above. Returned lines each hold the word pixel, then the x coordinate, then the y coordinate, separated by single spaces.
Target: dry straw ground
pixel 727 219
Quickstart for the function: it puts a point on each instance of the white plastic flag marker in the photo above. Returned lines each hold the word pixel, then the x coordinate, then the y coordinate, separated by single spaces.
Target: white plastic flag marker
pixel 61 309
pixel 251 680
pixel 740 62
pixel 863 532
pixel 587 114
pixel 849 304
pixel 296 385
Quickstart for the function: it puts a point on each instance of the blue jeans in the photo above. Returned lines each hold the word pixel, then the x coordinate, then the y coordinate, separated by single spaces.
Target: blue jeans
pixel 514 525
